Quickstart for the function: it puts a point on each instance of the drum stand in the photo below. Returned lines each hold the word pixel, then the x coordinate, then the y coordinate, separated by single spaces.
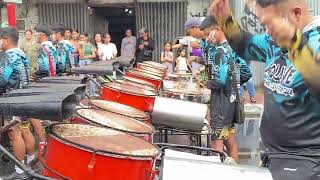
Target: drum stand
pixel 164 132
pixel 22 166
pixel 9 156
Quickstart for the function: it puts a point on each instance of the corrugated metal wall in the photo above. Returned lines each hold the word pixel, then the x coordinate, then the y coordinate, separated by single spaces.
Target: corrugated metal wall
pixel 164 20
pixel 241 14
pixel 314 5
pixel 72 15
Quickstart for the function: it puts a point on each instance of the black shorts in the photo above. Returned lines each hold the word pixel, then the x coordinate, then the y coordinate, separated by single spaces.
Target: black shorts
pixel 290 167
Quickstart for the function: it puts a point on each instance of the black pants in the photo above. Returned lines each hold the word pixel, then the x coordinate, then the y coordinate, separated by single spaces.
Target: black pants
pixel 289 167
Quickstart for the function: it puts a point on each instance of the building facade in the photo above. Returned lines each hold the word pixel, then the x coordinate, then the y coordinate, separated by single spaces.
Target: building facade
pixel 163 18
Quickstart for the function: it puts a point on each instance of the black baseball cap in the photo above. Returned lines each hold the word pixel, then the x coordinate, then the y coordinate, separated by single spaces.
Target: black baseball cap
pixel 56 28
pixel 43 29
pixel 208 21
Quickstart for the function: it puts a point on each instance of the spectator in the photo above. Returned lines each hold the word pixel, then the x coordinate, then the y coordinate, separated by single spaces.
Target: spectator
pixel 167 56
pixel 192 40
pixel 145 47
pixel 76 46
pixel 128 45
pixel 97 39
pixel 67 34
pixel 250 87
pixel 30 47
pixel 87 53
pixel 182 62
pixel 107 50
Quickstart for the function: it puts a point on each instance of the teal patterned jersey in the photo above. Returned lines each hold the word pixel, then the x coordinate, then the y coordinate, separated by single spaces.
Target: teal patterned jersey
pixel 46 49
pixel 65 54
pixel 14 70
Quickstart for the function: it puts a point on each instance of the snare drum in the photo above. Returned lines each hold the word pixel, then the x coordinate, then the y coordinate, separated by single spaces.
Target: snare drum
pixel 155 80
pixel 118 122
pixel 121 109
pixel 149 72
pixel 140 86
pixel 81 152
pixel 139 81
pixel 151 69
pixel 128 95
pixel 155 64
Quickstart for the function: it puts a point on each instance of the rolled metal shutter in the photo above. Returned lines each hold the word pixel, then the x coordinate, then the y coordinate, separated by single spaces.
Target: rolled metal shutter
pixel 72 15
pixel 164 20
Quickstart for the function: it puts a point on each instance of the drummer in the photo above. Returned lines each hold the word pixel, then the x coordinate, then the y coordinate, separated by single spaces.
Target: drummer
pixel 47 59
pixel 47 52
pixel 14 73
pixel 222 106
pixel 65 51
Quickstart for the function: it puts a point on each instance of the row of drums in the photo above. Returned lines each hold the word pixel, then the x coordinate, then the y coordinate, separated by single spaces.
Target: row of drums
pixel 111 138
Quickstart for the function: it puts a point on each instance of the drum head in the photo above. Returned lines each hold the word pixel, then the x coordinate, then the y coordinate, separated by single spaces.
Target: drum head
pixel 103 140
pixel 115 121
pixel 130 89
pixel 139 81
pixel 154 70
pixel 155 64
pixel 149 72
pixel 119 109
pixel 140 86
pixel 144 75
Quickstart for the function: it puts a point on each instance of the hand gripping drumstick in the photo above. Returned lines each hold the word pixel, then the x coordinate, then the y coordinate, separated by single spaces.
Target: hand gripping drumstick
pixel 12 123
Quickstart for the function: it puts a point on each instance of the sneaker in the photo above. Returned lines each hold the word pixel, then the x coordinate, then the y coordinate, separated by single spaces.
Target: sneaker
pixel 253 100
pixel 16 176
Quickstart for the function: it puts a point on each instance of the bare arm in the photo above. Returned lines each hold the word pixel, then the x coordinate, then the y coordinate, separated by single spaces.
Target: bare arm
pixel 162 59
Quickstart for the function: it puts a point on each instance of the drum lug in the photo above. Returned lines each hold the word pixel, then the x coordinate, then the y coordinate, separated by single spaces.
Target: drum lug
pixel 41 150
pixel 151 174
pixel 92 163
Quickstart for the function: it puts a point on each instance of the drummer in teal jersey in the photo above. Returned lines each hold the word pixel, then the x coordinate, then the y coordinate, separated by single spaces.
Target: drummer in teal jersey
pixel 14 74
pixel 65 51
pixel 47 55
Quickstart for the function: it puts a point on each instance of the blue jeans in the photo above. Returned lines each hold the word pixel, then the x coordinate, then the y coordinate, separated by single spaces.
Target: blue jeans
pixel 250 86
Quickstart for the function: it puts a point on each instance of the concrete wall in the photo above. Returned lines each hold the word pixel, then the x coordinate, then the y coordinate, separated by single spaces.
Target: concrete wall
pixel 198 8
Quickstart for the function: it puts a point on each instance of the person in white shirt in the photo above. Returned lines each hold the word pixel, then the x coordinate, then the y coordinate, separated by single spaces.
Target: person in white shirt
pixel 182 65
pixel 107 50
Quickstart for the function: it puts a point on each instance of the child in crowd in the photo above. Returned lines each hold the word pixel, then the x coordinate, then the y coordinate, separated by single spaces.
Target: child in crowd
pixel 182 65
pixel 167 56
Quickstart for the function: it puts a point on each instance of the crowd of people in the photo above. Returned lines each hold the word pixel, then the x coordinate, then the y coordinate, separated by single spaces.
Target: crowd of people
pixel 218 52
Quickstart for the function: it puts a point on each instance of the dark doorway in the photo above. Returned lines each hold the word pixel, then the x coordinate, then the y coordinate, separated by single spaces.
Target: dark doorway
pixel 115 20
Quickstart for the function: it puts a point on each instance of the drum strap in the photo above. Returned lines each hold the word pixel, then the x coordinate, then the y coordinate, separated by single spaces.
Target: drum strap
pixel 52 71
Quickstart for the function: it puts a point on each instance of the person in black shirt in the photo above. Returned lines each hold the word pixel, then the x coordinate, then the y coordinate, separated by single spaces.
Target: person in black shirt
pixel 145 47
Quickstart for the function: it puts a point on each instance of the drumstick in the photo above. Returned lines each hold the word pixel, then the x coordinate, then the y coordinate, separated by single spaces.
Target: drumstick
pixel 10 125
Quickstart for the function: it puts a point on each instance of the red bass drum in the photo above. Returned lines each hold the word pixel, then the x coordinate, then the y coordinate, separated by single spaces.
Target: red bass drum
pixel 81 152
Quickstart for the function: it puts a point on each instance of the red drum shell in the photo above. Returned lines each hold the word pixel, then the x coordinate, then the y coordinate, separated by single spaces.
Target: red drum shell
pixel 76 159
pixel 128 95
pixel 146 77
pixel 121 109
